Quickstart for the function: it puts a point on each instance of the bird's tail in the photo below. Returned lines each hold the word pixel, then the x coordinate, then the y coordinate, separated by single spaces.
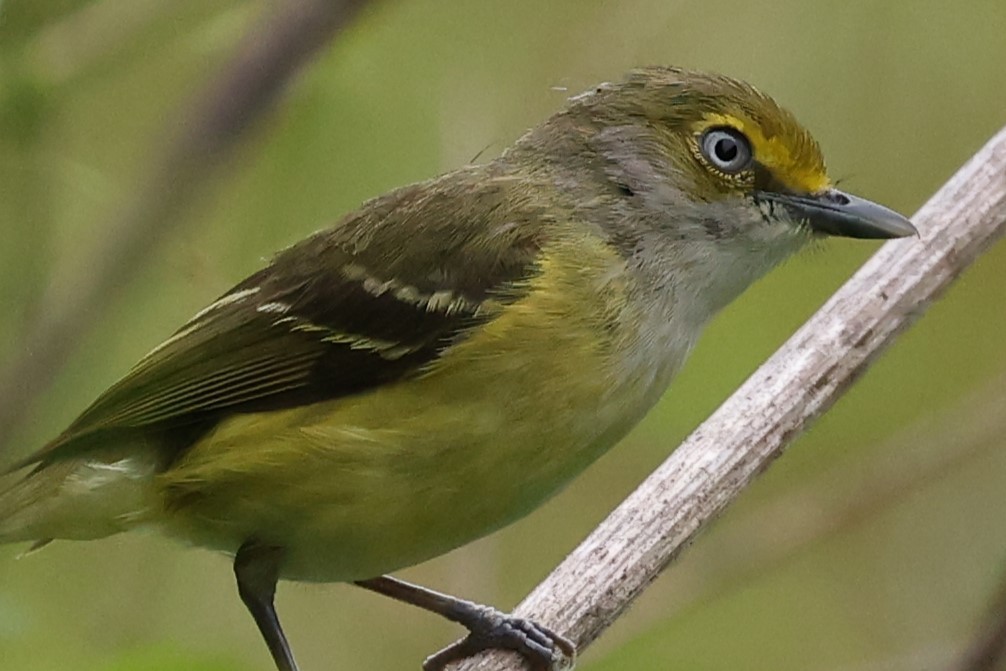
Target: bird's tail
pixel 76 499
pixel 23 501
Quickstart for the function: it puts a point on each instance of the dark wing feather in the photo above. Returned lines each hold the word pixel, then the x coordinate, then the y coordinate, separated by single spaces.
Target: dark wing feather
pixel 349 309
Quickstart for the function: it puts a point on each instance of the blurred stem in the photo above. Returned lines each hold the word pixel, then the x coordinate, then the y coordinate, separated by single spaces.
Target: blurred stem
pixel 207 135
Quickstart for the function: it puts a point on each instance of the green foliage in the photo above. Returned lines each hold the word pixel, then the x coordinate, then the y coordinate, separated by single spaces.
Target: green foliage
pixel 164 658
pixel 22 19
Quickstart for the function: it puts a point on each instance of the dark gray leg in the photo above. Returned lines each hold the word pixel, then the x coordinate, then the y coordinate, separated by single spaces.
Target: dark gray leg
pixel 257 570
pixel 487 627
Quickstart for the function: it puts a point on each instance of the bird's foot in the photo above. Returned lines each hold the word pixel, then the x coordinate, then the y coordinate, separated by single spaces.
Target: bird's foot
pixel 543 649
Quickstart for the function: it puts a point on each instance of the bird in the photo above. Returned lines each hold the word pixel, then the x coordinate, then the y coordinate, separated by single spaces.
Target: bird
pixel 445 358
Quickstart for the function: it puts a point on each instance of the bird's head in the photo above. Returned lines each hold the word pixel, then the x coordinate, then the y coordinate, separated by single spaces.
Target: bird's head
pixel 722 158
pixel 700 178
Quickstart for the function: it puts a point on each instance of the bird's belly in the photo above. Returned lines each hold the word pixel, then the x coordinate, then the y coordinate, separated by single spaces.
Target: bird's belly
pixel 353 489
pixel 370 483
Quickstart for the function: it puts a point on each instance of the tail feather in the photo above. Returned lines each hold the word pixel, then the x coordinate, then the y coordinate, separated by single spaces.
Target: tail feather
pixel 77 499
pixel 24 500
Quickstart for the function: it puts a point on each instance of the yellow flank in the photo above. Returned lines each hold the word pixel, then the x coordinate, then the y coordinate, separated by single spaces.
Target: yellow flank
pixel 801 172
pixel 367 484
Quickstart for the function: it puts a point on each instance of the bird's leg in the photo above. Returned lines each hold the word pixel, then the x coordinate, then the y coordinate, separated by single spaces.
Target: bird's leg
pixel 487 628
pixel 256 567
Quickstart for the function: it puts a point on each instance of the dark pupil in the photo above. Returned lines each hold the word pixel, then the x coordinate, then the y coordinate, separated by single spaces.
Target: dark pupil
pixel 726 150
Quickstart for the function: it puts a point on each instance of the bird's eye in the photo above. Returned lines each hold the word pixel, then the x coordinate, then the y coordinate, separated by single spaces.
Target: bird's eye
pixel 727 149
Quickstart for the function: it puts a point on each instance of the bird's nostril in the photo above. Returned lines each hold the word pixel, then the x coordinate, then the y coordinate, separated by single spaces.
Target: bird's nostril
pixel 836 197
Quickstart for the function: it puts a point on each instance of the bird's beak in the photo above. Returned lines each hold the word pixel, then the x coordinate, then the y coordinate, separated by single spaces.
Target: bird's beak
pixel 834 212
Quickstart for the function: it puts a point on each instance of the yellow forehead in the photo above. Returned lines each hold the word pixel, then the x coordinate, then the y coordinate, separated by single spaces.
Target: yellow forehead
pixel 792 157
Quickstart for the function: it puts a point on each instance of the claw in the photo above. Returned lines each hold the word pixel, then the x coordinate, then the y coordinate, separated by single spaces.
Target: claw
pixel 543 649
pixel 487 628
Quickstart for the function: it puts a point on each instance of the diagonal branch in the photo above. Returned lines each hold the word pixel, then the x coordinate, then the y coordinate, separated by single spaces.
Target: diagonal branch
pixel 209 132
pixel 600 578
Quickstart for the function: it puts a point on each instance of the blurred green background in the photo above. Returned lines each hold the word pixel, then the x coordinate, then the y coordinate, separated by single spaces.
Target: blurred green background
pixel 875 543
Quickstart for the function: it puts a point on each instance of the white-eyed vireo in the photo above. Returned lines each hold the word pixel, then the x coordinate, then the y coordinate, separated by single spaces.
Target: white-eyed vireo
pixel 445 358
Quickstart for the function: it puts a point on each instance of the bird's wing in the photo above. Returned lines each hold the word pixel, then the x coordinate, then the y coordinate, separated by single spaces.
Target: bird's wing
pixel 347 310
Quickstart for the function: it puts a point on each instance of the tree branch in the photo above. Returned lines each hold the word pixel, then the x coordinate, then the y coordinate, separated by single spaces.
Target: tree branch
pixel 208 134
pixel 600 578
